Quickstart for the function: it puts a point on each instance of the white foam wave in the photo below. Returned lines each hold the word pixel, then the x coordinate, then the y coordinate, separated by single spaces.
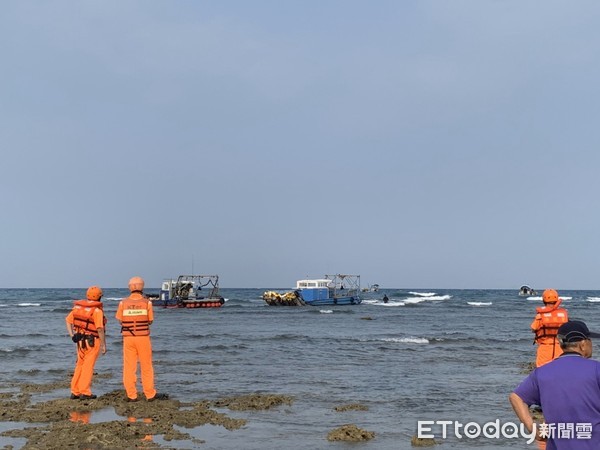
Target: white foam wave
pixel 113 298
pixel 593 299
pixel 537 297
pixel 423 294
pixel 326 311
pixel 1 306
pixel 29 304
pixel 440 297
pixel 407 340
pixel 391 302
pixel 414 300
pixel 479 303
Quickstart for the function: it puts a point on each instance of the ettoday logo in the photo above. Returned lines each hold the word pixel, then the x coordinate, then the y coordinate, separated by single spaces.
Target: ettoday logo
pixel 474 430
pixel 507 430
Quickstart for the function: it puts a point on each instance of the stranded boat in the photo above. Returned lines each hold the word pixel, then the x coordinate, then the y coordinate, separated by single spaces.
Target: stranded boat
pixel 526 291
pixel 191 291
pixel 330 290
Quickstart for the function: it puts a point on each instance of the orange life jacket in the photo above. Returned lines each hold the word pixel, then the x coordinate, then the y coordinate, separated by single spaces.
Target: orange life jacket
pixel 135 317
pixel 551 318
pixel 83 317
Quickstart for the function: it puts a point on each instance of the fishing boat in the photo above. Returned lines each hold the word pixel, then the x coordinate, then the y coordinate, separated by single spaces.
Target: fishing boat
pixel 336 289
pixel 191 291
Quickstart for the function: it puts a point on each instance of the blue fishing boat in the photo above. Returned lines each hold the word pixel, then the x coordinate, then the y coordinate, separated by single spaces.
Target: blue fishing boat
pixel 336 289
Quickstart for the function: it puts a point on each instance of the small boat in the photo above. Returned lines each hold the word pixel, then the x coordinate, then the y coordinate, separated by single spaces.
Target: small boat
pixel 526 291
pixel 191 291
pixel 371 288
pixel 330 290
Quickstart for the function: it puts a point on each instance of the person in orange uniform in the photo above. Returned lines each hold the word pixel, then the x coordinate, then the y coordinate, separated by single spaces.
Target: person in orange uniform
pixel 545 325
pixel 135 315
pixel 85 325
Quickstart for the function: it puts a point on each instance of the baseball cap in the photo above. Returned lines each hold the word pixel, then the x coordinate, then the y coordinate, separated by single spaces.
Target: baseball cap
pixel 575 331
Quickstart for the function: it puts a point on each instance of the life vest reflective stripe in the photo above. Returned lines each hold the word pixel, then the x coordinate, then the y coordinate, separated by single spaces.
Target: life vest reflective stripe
pixel 83 317
pixel 551 318
pixel 135 317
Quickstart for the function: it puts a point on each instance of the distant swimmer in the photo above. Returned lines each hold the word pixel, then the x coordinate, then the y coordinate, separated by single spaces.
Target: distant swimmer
pixel 385 298
pixel 85 325
pixel 545 325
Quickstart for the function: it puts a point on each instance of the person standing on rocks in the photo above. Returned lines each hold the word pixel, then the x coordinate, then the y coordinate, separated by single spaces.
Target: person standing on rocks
pixel 136 315
pixel 85 325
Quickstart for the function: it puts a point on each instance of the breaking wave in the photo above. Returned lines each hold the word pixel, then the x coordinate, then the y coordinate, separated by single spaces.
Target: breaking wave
pixel 407 340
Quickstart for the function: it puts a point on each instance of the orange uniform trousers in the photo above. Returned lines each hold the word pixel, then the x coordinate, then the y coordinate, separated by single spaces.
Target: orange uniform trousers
pixel 547 351
pixel 138 348
pixel 81 383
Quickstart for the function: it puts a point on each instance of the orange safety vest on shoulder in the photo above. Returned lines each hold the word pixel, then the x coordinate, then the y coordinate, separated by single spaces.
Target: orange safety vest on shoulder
pixel 83 317
pixel 551 318
pixel 135 317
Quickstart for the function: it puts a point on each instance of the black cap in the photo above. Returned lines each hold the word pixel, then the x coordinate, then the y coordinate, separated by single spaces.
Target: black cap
pixel 575 331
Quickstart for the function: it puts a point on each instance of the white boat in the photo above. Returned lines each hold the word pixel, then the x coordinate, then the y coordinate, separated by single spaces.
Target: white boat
pixel 526 291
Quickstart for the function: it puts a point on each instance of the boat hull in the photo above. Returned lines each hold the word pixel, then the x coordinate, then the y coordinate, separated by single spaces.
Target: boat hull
pixel 335 301
pixel 295 299
pixel 198 303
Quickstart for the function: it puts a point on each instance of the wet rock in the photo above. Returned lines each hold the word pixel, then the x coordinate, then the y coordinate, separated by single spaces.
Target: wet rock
pixel 350 433
pixel 351 407
pixel 48 387
pixel 65 423
pixel 423 442
pixel 527 368
pixel 253 402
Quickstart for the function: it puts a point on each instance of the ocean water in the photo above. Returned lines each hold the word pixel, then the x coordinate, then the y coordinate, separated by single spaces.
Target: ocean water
pixel 428 354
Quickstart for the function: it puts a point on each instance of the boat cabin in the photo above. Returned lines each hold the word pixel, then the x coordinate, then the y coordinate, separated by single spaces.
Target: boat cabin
pixel 314 289
pixel 311 284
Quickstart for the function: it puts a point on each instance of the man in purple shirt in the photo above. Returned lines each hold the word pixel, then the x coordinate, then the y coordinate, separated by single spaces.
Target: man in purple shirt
pixel 568 390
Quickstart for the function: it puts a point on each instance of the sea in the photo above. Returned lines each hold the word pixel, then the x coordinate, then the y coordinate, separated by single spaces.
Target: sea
pixel 428 355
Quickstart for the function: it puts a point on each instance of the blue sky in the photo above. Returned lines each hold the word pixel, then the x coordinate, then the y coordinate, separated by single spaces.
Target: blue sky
pixel 417 143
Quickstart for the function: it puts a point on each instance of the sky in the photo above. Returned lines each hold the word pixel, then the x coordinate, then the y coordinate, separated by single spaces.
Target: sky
pixel 420 144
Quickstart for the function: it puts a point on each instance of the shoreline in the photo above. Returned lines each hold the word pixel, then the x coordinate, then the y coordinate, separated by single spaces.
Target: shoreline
pixel 109 421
